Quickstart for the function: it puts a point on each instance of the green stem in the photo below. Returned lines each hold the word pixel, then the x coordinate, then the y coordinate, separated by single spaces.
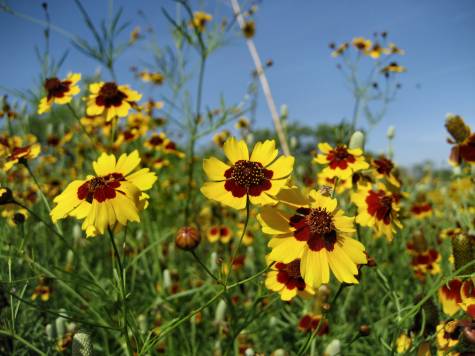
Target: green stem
pixel 248 208
pixel 125 327
pixel 23 341
pixel 43 197
pixel 204 267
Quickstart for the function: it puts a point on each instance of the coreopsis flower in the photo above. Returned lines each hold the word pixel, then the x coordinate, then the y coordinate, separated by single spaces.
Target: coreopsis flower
pixel 450 233
pixel 393 67
pixel 111 100
pixel 285 278
pixel 377 209
pixel 426 262
pixel 312 322
pixel 16 150
pixel 220 138
pixel 219 233
pixel 242 124
pixel 375 51
pixel 42 290
pixel 340 49
pixel 340 161
pixel 154 78
pixel 59 91
pixel 403 343
pixel 467 294
pixel 316 232
pixel 156 141
pixel 200 19
pixel 170 147
pixel 384 168
pixel 449 296
pixel 421 210
pixel 361 44
pixel 110 198
pixel 258 177
pixel 14 215
pixel 447 336
pixel 6 196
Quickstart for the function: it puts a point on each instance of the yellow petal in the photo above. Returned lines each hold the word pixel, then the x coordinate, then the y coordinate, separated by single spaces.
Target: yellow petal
pixel 104 165
pixel 286 249
pixel 264 152
pixel 282 167
pixel 273 222
pixel 235 150
pixel 214 168
pixel 127 163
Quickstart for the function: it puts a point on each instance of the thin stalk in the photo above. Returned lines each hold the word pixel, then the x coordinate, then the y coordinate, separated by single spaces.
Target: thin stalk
pixel 24 342
pixel 78 119
pixel 125 328
pixel 204 267
pixel 248 208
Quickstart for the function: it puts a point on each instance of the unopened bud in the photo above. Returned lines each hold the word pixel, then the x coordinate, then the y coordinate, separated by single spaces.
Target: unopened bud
pixel 167 280
pixel 469 335
pixel 364 330
pixel 391 132
pixel 356 140
pixel 457 128
pixel 284 112
pixel 187 238
pixel 220 312
pixel 333 348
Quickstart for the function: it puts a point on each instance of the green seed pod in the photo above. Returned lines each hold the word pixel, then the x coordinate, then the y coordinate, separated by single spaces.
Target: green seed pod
pixel 60 327
pixel 50 332
pixel 82 344
pixel 220 312
pixel 462 250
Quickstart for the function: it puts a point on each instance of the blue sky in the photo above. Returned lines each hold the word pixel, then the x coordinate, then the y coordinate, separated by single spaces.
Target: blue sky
pixel 438 36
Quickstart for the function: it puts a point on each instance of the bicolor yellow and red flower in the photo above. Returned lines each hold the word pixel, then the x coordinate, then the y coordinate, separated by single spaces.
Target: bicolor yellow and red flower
pixel 340 161
pixel 59 91
pixel 315 231
pixel 110 198
pixel 257 177
pixel 377 208
pixel 449 296
pixel 111 100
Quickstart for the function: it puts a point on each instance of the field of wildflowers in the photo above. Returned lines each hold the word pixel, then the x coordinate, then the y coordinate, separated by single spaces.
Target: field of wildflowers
pixel 137 225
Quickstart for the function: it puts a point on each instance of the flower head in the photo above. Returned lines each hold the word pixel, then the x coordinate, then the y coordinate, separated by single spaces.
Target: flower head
pixel 449 296
pixel 113 196
pixel 258 177
pixel 340 161
pixel 384 168
pixel 285 278
pixel 200 19
pixel 16 150
pixel 378 209
pixel 316 232
pixel 59 91
pixel 111 100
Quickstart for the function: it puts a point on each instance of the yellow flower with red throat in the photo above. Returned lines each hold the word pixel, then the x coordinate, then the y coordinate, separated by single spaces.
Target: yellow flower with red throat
pixel 200 19
pixel 111 100
pixel 340 161
pixel 314 230
pixel 362 44
pixel 258 177
pixel 286 279
pixel 377 208
pixel 59 91
pixel 219 233
pixel 447 336
pixel 467 293
pixel 111 198
pixel 449 296
pixel 15 150
pixel 384 169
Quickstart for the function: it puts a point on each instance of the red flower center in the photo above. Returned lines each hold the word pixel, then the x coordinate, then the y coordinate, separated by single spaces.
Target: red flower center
pixel 421 208
pixel 110 95
pixel 340 158
pixel 289 274
pixel 156 140
pixel 56 88
pixel 452 290
pixel 383 165
pixel 380 205
pixel 316 227
pixel 100 188
pixel 247 177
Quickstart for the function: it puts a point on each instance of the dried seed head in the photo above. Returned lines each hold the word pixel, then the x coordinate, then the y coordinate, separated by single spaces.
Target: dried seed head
pixel 462 250
pixel 457 128
pixel 187 238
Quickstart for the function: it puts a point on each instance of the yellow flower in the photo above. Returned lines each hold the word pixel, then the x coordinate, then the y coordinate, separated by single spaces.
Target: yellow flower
pixel 393 49
pixel 59 91
pixel 220 138
pixel 378 209
pixel 375 51
pixel 362 44
pixel 384 168
pixel 449 296
pixel 155 78
pixel 394 67
pixel 15 151
pixel 258 177
pixel 285 278
pixel 340 49
pixel 340 161
pixel 219 233
pixel 447 337
pixel 316 232
pixel 403 343
pixel 114 195
pixel 111 100
pixel 200 19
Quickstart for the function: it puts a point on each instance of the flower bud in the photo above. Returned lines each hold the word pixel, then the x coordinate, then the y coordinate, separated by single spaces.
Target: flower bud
pixel 167 279
pixel 333 348
pixel 462 246
pixel 220 312
pixel 457 128
pixel 391 132
pixel 364 330
pixel 6 196
pixel 187 238
pixel 356 140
